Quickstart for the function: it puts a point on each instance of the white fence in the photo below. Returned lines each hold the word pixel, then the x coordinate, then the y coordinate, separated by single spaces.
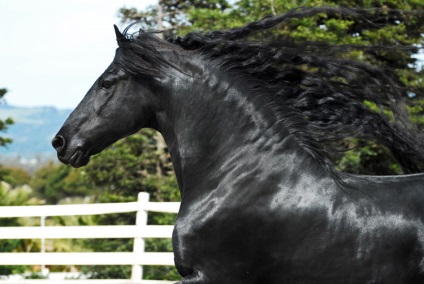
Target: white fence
pixel 137 258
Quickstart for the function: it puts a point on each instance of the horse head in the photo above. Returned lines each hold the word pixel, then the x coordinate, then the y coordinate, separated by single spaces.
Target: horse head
pixel 118 104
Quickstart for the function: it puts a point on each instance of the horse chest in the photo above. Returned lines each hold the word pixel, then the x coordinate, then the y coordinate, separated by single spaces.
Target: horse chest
pixel 208 241
pixel 237 238
pixel 224 243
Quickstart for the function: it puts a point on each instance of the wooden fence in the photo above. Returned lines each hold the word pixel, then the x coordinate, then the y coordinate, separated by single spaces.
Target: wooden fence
pixel 137 258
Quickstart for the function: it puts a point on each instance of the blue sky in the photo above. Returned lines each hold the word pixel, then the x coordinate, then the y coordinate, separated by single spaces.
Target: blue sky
pixel 52 51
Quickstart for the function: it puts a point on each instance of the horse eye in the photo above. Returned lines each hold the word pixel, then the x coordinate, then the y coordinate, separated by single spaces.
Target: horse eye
pixel 106 84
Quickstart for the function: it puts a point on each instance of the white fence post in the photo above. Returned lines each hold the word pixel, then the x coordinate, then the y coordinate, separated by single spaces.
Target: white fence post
pixel 139 244
pixel 44 271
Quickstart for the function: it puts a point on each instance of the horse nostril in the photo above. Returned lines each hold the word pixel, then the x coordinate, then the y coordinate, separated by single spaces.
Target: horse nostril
pixel 58 142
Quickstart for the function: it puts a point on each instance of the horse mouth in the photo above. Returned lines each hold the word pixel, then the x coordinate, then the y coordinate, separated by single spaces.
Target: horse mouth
pixel 78 159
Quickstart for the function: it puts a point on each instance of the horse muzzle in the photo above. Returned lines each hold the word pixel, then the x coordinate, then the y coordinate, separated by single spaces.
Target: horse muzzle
pixel 75 155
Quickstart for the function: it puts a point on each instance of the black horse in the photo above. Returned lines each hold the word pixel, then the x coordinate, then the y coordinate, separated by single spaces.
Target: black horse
pixel 249 129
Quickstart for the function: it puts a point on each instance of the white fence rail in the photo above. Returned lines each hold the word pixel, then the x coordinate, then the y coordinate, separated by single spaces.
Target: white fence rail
pixel 137 258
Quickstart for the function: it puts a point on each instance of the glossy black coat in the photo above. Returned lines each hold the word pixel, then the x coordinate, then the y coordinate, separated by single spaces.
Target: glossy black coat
pixel 256 206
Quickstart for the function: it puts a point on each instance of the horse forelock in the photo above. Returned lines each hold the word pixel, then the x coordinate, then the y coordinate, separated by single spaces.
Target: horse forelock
pixel 141 53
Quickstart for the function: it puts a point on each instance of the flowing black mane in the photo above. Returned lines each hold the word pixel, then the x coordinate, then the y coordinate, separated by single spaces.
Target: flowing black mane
pixel 320 93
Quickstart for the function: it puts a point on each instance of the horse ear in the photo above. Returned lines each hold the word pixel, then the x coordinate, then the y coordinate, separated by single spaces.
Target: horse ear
pixel 119 36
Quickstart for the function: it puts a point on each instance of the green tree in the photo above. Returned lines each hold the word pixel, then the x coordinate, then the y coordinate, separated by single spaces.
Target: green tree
pixel 131 164
pixel 54 182
pixel 16 176
pixel 4 124
pixel 170 15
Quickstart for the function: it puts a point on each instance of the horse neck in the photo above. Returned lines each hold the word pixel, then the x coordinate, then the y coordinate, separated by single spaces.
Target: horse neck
pixel 213 125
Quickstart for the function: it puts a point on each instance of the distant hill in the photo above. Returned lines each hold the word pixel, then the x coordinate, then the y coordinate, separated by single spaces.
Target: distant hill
pixel 32 132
